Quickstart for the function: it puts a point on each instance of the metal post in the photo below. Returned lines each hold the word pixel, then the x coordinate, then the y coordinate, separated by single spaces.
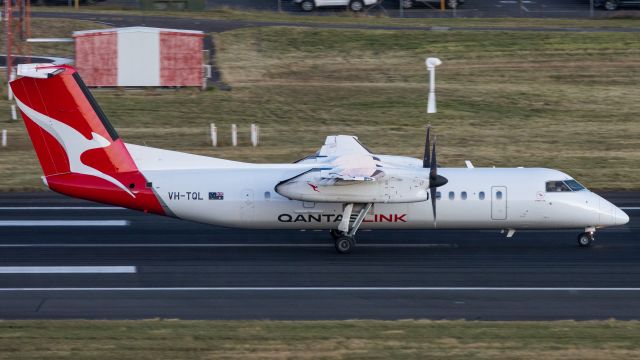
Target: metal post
pixel 591 5
pixel 521 7
pixel 234 135
pixel 431 101
pixel 214 135
pixel 14 114
pixel 279 5
pixel 431 68
pixel 401 9
pixel 9 35
pixel 254 135
pixel 4 137
pixel 12 76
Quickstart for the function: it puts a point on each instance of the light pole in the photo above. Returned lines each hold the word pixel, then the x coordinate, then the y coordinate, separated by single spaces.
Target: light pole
pixel 431 67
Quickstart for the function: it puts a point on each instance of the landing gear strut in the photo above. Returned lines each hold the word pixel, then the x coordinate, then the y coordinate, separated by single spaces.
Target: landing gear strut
pixel 585 239
pixel 344 236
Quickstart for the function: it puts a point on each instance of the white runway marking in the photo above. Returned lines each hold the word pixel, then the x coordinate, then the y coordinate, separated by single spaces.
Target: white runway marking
pixel 630 208
pixel 68 270
pixel 61 208
pixel 6 223
pixel 377 288
pixel 130 245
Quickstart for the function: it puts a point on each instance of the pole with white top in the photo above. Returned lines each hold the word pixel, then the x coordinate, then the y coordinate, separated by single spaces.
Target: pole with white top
pixel 431 67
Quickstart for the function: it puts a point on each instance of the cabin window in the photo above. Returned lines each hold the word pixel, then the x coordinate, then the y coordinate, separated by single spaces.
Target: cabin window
pixel 438 195
pixel 452 195
pixel 463 195
pixel 481 195
pixel 267 195
pixel 557 186
pixel 499 195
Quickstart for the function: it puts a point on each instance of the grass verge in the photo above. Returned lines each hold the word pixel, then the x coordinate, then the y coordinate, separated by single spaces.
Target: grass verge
pixel 566 101
pixel 167 339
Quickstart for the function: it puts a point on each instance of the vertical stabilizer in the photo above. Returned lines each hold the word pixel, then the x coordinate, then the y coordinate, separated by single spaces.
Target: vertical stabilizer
pixel 80 152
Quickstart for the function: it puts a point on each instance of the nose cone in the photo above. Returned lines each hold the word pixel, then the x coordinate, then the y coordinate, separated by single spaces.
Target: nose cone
pixel 621 217
pixel 611 215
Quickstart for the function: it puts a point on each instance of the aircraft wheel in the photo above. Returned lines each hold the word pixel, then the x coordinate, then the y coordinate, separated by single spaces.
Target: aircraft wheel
pixel 345 244
pixel 336 234
pixel 356 5
pixel 407 4
pixel 307 5
pixel 585 239
pixel 611 4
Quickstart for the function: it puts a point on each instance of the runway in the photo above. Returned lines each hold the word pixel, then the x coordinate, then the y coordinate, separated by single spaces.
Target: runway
pixel 89 261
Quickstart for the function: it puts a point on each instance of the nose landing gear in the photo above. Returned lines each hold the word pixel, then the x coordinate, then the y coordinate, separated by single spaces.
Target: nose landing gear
pixel 586 238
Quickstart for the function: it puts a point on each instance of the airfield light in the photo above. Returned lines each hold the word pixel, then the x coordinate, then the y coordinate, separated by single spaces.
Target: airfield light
pixel 431 67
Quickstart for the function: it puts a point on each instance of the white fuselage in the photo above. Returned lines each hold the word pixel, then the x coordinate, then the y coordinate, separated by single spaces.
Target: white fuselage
pixel 234 194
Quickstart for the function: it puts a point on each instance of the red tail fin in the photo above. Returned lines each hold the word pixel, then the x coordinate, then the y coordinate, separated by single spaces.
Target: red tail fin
pixel 80 152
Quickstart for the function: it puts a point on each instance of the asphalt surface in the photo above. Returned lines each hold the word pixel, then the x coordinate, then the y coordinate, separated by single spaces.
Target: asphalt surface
pixel 428 8
pixel 178 269
pixel 215 26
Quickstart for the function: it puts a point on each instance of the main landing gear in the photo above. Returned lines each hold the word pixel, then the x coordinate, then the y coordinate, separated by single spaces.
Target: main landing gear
pixel 344 237
pixel 586 238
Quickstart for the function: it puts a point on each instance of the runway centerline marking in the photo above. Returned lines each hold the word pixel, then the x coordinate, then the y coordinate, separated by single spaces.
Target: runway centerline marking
pixel 16 223
pixel 68 270
pixel 356 289
pixel 61 208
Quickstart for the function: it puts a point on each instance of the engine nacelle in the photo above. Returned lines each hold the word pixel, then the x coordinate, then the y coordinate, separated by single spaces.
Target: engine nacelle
pixel 395 187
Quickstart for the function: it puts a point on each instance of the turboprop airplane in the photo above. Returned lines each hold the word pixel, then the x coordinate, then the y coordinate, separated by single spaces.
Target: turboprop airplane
pixel 342 188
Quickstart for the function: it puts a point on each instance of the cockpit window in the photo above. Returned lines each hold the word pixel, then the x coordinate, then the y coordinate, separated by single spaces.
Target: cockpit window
pixel 574 185
pixel 557 186
pixel 564 186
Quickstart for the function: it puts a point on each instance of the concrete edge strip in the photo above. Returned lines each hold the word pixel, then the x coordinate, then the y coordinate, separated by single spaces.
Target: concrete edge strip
pixel 68 270
pixel 61 208
pixel 30 223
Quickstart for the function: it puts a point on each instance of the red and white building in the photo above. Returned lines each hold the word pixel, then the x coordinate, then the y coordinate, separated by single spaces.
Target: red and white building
pixel 140 56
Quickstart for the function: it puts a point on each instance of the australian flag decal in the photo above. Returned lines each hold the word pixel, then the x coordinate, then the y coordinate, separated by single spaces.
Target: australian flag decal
pixel 216 196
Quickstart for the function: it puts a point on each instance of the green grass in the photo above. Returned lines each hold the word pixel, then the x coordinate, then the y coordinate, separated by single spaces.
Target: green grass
pixel 167 339
pixel 559 100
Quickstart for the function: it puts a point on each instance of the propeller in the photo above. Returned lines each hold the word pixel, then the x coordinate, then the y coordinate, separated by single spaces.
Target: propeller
pixel 430 161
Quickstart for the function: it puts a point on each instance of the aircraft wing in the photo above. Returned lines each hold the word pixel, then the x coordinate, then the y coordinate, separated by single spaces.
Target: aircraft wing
pixel 351 168
pixel 345 171
pixel 337 145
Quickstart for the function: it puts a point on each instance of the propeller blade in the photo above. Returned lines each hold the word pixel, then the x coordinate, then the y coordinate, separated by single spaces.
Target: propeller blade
pixel 433 190
pixel 433 174
pixel 426 159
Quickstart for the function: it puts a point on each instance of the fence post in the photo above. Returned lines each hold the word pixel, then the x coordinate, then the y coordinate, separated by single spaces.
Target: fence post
pixel 234 135
pixel 12 76
pixel 254 135
pixel 591 5
pixel 4 137
pixel 401 8
pixel 214 135
pixel 14 115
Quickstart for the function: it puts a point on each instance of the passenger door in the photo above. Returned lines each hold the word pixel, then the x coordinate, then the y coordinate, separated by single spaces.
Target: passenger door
pixel 499 202
pixel 247 206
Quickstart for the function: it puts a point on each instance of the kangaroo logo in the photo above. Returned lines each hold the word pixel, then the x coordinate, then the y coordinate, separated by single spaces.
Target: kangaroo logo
pixel 73 142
